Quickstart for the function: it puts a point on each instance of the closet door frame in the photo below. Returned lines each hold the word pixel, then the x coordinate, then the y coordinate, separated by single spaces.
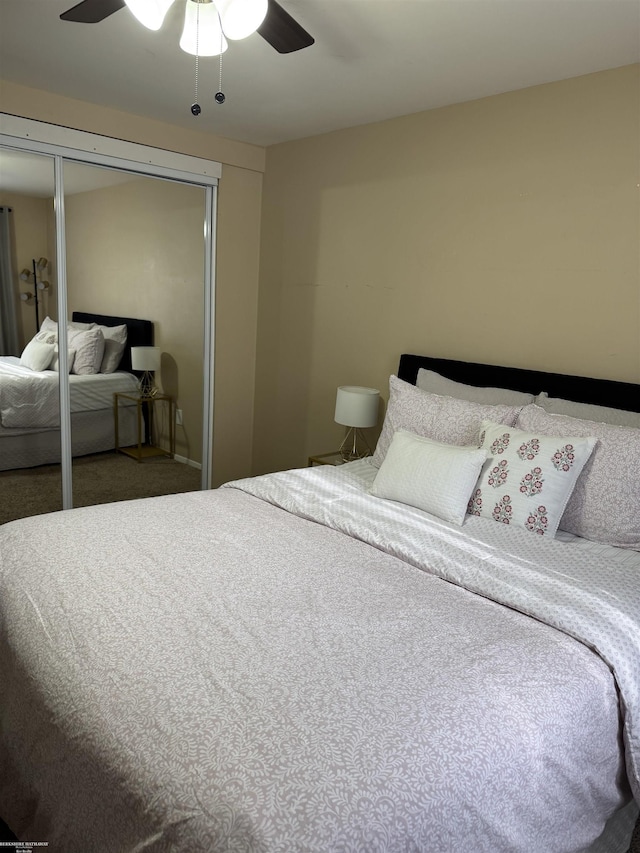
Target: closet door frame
pixel 67 145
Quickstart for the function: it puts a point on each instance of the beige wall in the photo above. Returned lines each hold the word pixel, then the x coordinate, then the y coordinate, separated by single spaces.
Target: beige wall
pixel 503 230
pixel 238 241
pixel 31 239
pixel 238 232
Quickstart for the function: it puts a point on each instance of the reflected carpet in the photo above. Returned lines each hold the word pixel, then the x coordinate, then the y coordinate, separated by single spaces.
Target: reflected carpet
pixel 100 478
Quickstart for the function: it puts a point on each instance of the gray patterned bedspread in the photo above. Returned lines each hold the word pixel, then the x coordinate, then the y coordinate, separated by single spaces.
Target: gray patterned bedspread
pixel 206 672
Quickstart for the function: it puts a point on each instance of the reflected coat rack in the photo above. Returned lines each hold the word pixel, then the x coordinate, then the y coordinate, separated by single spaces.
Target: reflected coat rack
pixel 38 266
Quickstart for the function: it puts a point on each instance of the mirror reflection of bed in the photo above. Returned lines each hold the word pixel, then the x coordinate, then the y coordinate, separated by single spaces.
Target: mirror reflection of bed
pixel 134 249
pixel 30 437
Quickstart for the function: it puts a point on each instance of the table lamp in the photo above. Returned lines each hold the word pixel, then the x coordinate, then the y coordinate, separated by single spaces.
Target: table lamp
pixel 356 408
pixel 147 361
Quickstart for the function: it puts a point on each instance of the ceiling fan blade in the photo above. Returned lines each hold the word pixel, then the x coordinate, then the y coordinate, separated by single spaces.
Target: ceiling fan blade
pixel 92 11
pixel 279 29
pixel 283 32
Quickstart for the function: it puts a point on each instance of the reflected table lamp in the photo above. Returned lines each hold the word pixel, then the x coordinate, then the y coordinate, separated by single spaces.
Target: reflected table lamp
pixel 356 408
pixel 147 361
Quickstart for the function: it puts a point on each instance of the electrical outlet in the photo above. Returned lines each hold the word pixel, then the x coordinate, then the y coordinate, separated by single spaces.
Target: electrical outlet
pixel 179 417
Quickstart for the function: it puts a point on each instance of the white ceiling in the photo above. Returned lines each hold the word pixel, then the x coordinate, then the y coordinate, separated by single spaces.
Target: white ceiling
pixel 373 59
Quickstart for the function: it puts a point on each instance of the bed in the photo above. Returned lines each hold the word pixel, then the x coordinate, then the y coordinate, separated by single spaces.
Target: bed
pixel 29 406
pixel 294 662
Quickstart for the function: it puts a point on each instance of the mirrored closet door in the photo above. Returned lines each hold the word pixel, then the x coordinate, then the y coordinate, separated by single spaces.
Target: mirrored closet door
pixel 127 259
pixel 135 294
pixel 30 475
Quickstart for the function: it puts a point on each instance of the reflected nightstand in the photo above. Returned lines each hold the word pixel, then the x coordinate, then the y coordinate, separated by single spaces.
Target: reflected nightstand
pixel 145 448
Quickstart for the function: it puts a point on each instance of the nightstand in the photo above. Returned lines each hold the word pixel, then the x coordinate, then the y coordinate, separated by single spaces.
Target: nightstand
pixel 334 458
pixel 146 406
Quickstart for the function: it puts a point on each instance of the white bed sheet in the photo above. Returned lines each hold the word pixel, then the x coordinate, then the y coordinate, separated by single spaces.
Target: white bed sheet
pixel 588 590
pixel 29 399
pixel 92 414
pixel 91 432
pixel 221 675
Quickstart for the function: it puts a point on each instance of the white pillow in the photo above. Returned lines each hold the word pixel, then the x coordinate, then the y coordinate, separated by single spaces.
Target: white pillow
pixel 528 477
pixel 587 411
pixel 440 418
pixel 45 337
pixel 37 354
pixel 89 347
pixel 435 477
pixel 429 380
pixel 605 504
pixel 49 325
pixel 115 338
pixel 55 363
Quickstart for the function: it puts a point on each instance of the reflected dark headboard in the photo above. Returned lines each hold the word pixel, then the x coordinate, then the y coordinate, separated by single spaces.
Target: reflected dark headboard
pixel 139 332
pixel 579 389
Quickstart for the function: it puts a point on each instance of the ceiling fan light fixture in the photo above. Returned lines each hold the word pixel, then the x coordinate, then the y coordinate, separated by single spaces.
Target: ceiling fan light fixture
pixel 150 13
pixel 206 39
pixel 276 27
pixel 241 18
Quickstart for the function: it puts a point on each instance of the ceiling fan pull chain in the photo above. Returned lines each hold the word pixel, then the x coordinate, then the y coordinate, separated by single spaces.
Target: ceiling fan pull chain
pixel 195 106
pixel 219 96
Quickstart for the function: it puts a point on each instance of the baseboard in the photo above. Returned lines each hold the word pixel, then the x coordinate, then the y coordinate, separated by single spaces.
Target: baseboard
pixel 186 461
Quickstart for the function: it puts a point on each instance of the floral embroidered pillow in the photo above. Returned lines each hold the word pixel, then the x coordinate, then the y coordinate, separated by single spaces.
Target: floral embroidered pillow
pixel 605 505
pixel 528 478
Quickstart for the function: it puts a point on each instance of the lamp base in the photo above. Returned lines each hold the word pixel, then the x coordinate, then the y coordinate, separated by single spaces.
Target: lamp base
pixel 145 385
pixel 354 446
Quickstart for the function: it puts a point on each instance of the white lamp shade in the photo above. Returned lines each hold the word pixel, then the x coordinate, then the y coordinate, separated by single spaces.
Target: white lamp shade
pixel 202 34
pixel 150 13
pixel 145 358
pixel 357 406
pixel 241 18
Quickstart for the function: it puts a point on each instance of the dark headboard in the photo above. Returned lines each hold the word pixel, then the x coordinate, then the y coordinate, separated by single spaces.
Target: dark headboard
pixel 139 332
pixel 579 389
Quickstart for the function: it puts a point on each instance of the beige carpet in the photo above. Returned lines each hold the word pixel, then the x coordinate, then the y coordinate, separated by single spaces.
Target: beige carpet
pixel 101 478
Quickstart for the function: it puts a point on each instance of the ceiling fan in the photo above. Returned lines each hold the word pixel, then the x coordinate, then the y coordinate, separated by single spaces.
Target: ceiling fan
pixel 278 28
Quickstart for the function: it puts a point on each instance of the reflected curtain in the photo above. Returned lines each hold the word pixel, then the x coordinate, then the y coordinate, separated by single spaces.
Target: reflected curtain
pixel 9 340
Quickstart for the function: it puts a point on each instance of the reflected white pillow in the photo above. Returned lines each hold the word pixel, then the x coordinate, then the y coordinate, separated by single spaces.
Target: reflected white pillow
pixel 89 347
pixel 89 357
pixel 528 477
pixel 115 338
pixel 55 364
pixel 429 475
pixel 37 354
pixel 49 325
